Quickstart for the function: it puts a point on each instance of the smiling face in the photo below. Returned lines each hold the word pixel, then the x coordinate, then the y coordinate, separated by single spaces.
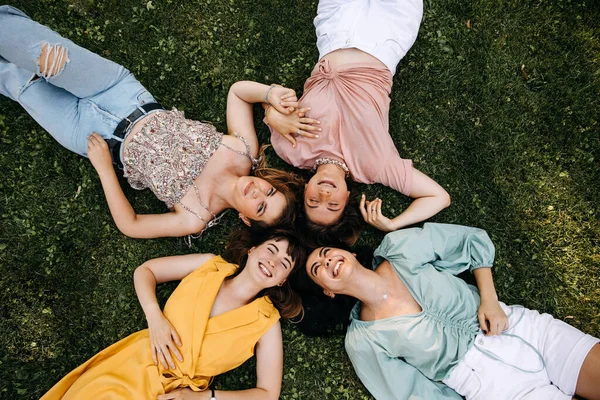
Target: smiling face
pixel 257 199
pixel 269 263
pixel 325 196
pixel 329 268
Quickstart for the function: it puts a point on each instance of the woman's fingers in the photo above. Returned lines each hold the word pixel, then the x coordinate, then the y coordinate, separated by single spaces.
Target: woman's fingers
pixel 283 109
pixel 175 336
pixel 162 358
pixel 289 103
pixel 290 139
pixel 154 358
pixel 306 134
pixel 309 121
pixel 363 207
pixel 167 354
pixel 483 323
pixel 91 140
pixel 309 128
pixel 495 328
pixel 378 208
pixel 177 341
pixel 373 208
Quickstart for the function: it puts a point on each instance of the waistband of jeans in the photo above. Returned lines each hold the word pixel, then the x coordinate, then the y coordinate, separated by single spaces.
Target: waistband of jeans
pixel 125 126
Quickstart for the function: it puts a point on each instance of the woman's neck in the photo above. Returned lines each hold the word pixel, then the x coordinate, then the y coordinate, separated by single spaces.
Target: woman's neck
pixel 224 189
pixel 332 169
pixel 369 287
pixel 240 289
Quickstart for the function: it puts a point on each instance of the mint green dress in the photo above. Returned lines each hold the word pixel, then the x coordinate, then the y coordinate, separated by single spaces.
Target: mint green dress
pixel 406 357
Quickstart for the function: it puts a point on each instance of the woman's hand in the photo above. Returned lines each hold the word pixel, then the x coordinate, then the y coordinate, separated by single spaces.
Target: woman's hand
pixel 282 99
pixel 183 394
pixel 293 124
pixel 98 152
pixel 163 340
pixel 492 318
pixel 371 212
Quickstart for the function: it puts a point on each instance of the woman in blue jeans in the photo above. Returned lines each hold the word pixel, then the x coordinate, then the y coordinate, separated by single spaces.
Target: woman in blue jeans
pixel 96 108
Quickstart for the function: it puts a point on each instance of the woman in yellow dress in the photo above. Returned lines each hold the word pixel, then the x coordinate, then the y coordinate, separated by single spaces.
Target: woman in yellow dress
pixel 216 319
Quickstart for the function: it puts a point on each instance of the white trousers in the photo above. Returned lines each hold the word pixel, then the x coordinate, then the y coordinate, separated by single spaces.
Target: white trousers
pixel 537 358
pixel 386 29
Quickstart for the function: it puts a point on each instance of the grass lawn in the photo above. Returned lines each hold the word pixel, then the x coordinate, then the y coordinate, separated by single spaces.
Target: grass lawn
pixel 498 101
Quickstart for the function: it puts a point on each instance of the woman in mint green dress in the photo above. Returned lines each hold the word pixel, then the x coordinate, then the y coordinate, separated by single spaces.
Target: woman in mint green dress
pixel 419 332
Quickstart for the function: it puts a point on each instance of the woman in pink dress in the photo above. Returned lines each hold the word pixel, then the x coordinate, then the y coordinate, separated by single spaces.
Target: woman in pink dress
pixel 340 129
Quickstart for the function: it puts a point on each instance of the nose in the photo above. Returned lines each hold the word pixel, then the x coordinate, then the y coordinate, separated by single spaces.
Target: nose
pixel 324 194
pixel 257 193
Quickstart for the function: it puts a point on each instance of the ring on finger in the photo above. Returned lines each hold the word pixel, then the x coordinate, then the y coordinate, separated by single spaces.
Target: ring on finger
pixel 159 350
pixel 299 132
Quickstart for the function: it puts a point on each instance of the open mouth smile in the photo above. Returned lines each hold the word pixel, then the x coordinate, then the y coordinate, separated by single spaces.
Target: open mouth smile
pixel 264 270
pixel 248 188
pixel 336 268
pixel 327 182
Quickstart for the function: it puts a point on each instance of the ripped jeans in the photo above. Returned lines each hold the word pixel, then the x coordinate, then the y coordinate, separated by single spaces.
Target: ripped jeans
pixel 70 91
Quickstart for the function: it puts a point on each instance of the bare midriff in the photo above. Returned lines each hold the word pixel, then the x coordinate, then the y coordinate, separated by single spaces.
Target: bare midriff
pixel 136 128
pixel 353 55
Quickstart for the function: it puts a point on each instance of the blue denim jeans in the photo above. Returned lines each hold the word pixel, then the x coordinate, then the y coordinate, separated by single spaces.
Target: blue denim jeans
pixel 90 94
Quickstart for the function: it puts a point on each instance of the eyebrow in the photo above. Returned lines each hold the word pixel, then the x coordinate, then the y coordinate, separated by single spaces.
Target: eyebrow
pixel 274 245
pixel 312 267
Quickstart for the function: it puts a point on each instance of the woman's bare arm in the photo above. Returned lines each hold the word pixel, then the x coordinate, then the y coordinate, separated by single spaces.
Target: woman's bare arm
pixel 127 220
pixel 164 340
pixel 429 199
pixel 242 95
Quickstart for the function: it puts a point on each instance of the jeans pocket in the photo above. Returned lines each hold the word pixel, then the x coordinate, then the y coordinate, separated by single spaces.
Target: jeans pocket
pixel 465 381
pixel 144 97
pixel 104 114
pixel 396 47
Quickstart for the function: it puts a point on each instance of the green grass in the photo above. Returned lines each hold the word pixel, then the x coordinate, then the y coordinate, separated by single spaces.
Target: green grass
pixel 504 114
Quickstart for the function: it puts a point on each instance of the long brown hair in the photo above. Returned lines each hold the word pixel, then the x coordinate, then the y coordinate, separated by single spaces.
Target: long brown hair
pixel 287 183
pixel 283 297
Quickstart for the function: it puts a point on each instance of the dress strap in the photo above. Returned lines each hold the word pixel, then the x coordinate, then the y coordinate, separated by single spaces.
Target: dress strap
pixel 255 161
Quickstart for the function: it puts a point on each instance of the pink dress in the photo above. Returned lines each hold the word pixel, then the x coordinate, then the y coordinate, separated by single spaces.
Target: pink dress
pixel 352 102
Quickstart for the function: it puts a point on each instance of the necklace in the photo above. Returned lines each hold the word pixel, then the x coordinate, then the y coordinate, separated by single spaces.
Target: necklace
pixel 325 160
pixel 215 220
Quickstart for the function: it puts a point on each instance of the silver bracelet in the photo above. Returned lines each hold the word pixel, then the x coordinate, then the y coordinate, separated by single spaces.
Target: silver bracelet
pixel 267 95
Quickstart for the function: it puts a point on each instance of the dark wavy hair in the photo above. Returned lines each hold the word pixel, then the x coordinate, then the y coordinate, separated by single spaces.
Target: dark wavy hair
pixel 283 297
pixel 289 184
pixel 345 231
pixel 322 315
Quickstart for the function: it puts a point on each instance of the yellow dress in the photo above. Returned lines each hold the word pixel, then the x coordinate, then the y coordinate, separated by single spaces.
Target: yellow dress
pixel 210 346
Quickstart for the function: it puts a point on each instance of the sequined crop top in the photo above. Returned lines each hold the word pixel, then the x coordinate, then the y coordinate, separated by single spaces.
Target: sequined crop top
pixel 169 152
